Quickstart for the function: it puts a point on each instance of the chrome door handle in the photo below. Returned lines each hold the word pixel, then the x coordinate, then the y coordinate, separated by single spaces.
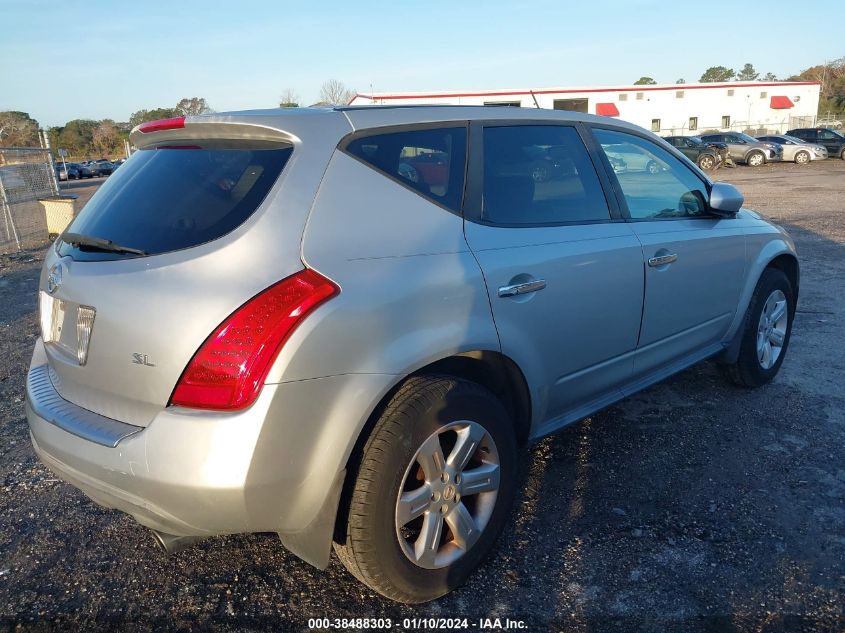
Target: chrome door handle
pixel 522 289
pixel 662 260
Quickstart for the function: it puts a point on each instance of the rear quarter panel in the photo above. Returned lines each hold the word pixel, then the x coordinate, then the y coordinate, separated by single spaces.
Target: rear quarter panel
pixel 411 290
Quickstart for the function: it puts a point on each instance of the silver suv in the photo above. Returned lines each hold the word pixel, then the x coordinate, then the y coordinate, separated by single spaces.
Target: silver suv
pixel 747 149
pixel 339 325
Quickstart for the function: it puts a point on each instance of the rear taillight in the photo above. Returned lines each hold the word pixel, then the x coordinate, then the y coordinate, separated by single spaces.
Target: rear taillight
pixel 228 370
pixel 176 123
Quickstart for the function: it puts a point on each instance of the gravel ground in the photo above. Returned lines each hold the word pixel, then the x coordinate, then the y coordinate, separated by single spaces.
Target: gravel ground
pixel 693 506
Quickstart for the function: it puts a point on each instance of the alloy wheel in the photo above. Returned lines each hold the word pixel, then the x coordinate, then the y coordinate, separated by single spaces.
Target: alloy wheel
pixel 448 494
pixel 771 329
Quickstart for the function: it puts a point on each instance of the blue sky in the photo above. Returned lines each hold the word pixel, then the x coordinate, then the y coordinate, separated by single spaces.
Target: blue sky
pixel 67 59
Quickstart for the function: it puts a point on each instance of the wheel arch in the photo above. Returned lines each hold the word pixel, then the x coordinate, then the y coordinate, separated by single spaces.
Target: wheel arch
pixel 491 369
pixel 777 254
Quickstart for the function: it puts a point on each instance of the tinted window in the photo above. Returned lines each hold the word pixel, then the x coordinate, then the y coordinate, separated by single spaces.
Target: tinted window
pixel 655 184
pixel 431 162
pixel 539 175
pixel 169 198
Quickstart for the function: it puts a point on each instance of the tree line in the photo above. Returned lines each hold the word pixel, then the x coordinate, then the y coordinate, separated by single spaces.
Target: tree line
pixel 830 75
pixel 83 138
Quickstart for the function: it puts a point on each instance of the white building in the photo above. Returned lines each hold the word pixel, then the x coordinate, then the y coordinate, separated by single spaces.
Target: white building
pixel 662 108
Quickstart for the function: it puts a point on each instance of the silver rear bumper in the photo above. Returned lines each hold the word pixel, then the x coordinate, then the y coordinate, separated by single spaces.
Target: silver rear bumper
pixel 277 466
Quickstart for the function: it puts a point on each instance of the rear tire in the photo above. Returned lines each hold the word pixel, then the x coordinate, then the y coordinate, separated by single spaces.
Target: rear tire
pixel 755 366
pixel 402 476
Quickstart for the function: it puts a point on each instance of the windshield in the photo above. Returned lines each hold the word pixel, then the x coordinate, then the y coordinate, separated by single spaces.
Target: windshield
pixel 696 139
pixel 747 139
pixel 169 198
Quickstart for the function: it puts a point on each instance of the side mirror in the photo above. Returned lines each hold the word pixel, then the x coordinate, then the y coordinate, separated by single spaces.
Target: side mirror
pixel 725 200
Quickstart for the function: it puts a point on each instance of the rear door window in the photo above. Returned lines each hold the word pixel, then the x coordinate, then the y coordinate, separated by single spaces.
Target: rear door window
pixel 429 161
pixel 173 197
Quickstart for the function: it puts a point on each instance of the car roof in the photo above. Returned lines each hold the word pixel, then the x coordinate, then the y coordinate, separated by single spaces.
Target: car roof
pixel 373 116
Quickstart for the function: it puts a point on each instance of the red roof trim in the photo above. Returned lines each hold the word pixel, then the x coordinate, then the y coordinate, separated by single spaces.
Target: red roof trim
pixel 780 103
pixel 607 109
pixel 513 93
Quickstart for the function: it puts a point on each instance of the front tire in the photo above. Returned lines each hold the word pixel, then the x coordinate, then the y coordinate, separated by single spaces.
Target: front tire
pixel 755 159
pixel 802 158
pixel 766 331
pixel 707 162
pixel 433 489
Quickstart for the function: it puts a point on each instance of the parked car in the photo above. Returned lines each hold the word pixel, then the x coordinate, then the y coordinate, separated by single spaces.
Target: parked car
pixel 705 155
pixel 796 150
pixel 82 170
pixel 745 149
pixel 264 325
pixel 101 167
pixel 66 171
pixel 832 140
pixel 629 157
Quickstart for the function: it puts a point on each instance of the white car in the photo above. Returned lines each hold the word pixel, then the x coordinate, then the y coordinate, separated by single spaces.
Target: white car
pixel 796 150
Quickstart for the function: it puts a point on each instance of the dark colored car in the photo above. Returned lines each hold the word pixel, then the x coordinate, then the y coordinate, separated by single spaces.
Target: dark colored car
pixel 66 171
pixel 101 167
pixel 705 155
pixel 82 170
pixel 831 140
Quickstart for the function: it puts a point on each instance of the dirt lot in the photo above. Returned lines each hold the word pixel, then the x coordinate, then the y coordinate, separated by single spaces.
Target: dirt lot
pixel 693 506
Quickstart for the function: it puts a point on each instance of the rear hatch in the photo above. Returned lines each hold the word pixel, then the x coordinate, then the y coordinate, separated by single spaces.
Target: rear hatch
pixel 185 232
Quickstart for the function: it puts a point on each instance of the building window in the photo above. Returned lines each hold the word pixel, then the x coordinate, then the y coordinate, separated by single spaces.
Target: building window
pixel 726 121
pixel 693 123
pixel 730 92
pixel 639 96
pixel 655 125
pixel 623 97
pixel 679 94
pixel 763 95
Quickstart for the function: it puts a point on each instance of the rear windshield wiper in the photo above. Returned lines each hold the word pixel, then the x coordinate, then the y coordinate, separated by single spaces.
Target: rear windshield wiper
pixel 98 244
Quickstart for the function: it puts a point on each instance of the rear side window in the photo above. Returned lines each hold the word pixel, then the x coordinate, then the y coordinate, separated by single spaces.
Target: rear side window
pixel 169 198
pixel 539 174
pixel 431 162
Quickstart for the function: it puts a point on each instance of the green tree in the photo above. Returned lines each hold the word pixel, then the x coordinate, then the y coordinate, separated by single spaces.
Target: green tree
pixel 770 77
pixel 190 106
pixel 644 81
pixel 717 73
pixel 77 137
pixel 18 129
pixel 142 116
pixel 289 99
pixel 747 73
pixel 681 81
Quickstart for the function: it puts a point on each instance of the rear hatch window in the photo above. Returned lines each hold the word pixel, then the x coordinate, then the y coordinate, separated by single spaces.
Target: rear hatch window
pixel 168 198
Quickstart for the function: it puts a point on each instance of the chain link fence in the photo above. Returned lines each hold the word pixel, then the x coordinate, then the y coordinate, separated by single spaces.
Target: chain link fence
pixel 27 175
pixel 831 120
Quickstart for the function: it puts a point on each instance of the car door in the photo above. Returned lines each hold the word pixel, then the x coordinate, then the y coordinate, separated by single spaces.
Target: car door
pixel 564 272
pixel 831 141
pixel 695 261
